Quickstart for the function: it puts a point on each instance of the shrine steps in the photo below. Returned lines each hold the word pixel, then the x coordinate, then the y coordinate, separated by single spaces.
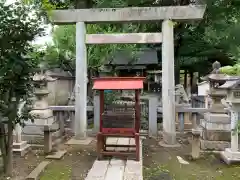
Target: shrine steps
pixel 117 169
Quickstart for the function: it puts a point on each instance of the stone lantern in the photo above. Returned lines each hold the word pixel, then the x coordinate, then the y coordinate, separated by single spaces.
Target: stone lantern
pixel 216 123
pixel 41 112
pixel 232 86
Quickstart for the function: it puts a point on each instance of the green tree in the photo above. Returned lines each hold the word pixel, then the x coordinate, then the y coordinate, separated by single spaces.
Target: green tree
pixel 214 37
pixel 17 30
pixel 62 51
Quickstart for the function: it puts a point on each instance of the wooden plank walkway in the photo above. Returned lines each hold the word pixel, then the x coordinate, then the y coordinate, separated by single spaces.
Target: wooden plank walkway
pixel 116 169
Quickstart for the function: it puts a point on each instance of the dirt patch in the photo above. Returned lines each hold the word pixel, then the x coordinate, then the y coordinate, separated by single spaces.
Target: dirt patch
pixel 74 165
pixel 162 164
pixel 22 166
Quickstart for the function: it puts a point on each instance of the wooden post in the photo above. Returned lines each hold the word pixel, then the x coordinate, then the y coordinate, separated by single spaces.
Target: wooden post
pixel 80 128
pixel 168 85
pixel 137 110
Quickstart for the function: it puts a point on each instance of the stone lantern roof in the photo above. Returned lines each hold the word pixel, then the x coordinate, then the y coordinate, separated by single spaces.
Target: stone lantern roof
pixel 39 77
pixel 231 83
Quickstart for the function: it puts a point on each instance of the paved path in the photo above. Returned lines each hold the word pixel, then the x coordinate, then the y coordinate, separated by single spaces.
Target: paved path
pixel 116 169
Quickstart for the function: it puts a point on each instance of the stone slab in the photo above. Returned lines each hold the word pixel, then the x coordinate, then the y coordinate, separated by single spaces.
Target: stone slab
pixel 115 170
pixel 98 170
pixel 57 155
pixel 215 126
pixel 217 118
pixel 19 145
pixel 74 141
pixel 128 14
pixel 213 135
pixel 214 145
pixel 133 169
pixel 164 144
pixel 22 151
pixel 35 174
pixel 121 38
pixel 230 157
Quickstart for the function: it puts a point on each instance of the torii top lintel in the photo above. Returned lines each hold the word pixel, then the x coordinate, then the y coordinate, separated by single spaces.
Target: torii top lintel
pixel 118 83
pixel 129 14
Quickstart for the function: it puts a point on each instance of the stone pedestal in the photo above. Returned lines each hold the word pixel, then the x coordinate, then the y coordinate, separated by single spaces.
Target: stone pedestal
pixel 215 131
pixel 229 156
pixel 195 143
pixel 216 126
pixel 232 155
pixel 21 148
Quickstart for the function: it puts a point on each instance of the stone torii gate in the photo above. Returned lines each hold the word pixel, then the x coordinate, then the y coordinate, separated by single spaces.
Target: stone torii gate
pixel 133 14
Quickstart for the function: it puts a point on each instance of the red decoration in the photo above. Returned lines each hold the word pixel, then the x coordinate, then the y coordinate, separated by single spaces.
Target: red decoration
pixel 111 120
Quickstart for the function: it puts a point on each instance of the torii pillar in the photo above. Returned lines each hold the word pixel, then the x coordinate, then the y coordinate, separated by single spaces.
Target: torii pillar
pixel 168 84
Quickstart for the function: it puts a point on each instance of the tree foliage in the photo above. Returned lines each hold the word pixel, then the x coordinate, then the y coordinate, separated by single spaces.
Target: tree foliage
pixel 215 36
pixel 62 51
pixel 17 30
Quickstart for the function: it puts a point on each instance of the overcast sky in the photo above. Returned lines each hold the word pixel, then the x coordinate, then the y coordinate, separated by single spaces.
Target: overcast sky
pixel 39 40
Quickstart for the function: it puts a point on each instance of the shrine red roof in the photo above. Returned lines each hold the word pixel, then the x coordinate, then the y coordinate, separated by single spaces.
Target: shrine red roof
pixel 118 83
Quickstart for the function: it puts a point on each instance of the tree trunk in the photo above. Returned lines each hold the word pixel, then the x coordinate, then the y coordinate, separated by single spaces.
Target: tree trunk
pixel 9 167
pixel 185 79
pixel 3 146
pixel 177 71
pixel 9 145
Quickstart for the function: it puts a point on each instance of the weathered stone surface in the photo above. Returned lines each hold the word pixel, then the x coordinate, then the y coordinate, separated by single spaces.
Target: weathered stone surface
pixel 215 126
pixel 35 174
pixel 21 148
pixel 38 139
pixel 128 14
pixel 196 143
pixel 57 155
pixel 74 141
pixel 230 156
pixel 217 118
pixel 214 145
pixel 130 38
pixel 213 135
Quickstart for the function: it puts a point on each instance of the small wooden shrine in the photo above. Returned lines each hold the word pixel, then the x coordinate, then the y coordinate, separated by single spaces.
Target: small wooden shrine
pixel 118 120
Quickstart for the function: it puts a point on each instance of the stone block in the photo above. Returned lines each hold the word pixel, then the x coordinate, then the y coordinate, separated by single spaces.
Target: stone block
pixel 57 155
pixel 195 143
pixel 213 135
pixel 215 126
pixel 19 145
pixel 21 148
pixel 230 157
pixel 74 141
pixel 217 118
pixel 214 145
pixel 35 174
pixel 38 139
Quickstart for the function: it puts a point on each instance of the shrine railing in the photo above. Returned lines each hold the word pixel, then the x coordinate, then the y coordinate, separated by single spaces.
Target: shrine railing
pixel 66 115
pixel 186 117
